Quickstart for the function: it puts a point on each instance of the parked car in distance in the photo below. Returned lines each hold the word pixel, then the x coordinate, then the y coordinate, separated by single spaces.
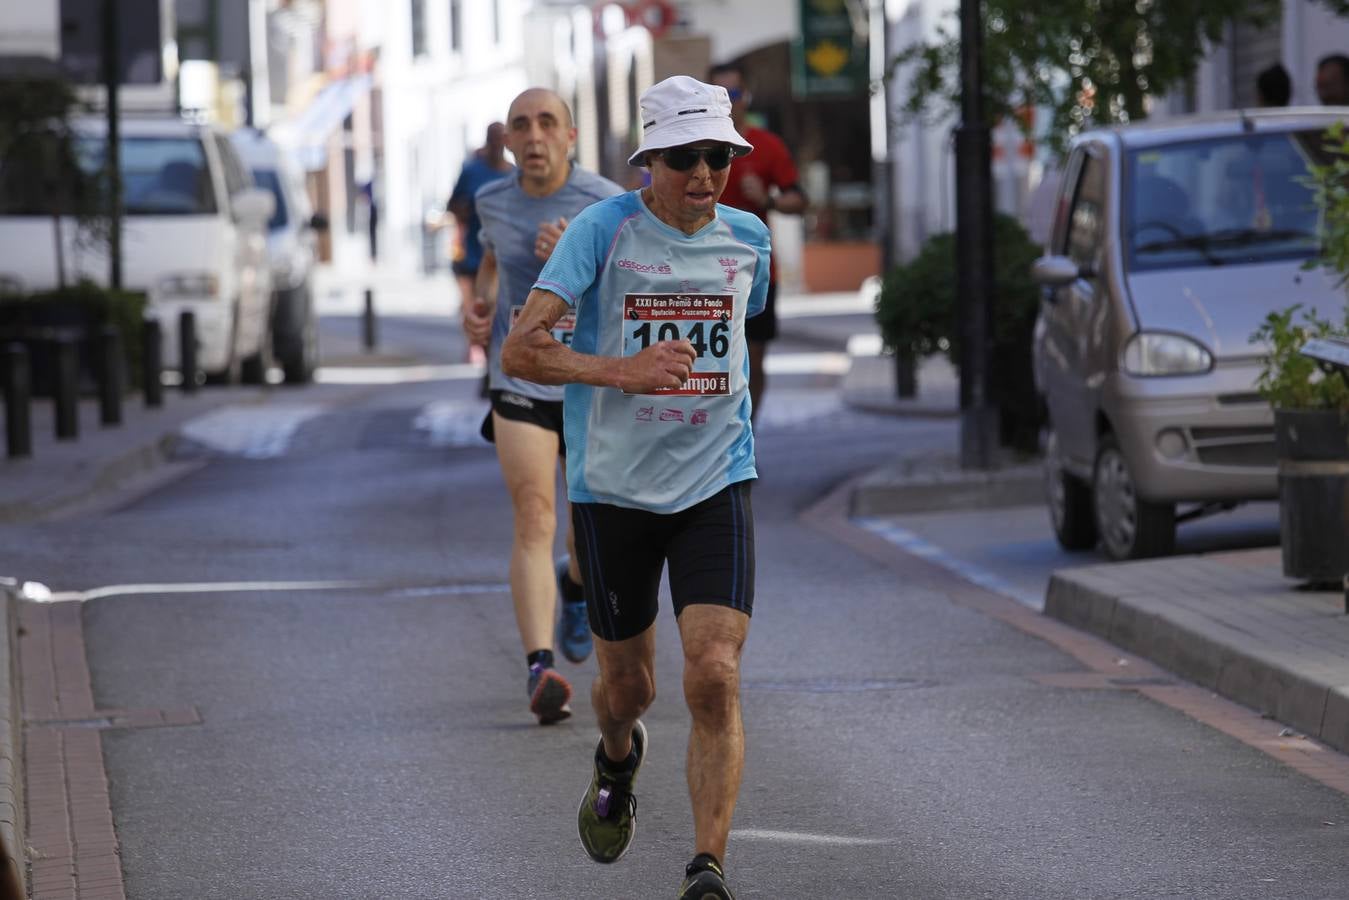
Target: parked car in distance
pixel 193 238
pixel 1171 243
pixel 292 249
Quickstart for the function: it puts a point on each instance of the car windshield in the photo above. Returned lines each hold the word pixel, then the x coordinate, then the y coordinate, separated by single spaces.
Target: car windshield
pixel 269 180
pixel 1225 201
pixel 164 176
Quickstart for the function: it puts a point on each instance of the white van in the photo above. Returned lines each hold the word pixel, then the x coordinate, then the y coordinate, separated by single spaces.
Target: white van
pixel 193 237
pixel 292 247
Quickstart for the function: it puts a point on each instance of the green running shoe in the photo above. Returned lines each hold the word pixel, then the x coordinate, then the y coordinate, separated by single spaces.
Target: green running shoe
pixel 607 817
pixel 704 880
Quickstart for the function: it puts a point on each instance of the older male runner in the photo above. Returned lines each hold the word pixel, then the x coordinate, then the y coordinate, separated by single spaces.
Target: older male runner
pixel 522 217
pixel 660 452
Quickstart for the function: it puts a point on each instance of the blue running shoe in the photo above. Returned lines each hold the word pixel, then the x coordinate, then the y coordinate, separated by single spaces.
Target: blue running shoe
pixel 549 694
pixel 573 624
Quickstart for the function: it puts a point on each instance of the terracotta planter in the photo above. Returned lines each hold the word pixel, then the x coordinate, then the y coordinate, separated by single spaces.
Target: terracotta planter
pixel 1313 451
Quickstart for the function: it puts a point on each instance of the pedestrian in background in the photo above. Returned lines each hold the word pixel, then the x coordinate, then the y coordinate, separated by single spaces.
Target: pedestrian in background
pixel 1332 80
pixel 762 181
pixel 660 452
pixel 522 217
pixel 487 164
pixel 1273 86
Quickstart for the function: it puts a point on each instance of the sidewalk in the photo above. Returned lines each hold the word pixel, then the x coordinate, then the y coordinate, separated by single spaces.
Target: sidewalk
pixel 1229 622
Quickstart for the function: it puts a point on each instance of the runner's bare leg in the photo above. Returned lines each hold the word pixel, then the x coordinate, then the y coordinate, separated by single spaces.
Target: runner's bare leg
pixel 713 637
pixel 624 689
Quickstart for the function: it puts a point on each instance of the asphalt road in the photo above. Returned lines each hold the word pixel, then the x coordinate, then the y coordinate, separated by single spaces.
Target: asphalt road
pixel 373 741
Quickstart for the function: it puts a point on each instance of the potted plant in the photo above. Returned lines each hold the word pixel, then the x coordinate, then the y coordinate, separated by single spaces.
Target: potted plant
pixel 1311 401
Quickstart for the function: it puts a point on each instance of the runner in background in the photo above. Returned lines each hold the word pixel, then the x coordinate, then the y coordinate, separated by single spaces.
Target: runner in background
pixel 766 179
pixel 487 164
pixel 522 217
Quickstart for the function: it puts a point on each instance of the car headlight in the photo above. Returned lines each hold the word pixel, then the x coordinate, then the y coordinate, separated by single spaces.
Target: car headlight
pixel 189 284
pixel 1157 353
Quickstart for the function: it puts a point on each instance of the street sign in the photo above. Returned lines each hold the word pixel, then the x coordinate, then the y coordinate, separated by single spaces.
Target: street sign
pixel 1332 351
pixel 829 59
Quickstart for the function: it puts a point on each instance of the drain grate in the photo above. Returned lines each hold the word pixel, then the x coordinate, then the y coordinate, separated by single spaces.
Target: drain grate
pixel 834 685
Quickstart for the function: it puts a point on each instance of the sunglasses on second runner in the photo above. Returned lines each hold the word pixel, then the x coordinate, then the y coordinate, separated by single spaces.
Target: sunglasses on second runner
pixel 682 159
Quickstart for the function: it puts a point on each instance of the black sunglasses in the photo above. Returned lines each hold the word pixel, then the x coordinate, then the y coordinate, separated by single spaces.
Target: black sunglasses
pixel 681 159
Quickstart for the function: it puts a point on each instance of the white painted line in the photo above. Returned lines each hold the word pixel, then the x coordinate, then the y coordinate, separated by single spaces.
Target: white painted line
pixel 806 364
pixel 397 374
pixel 911 543
pixel 213 587
pixel 453 423
pixel 801 837
pixel 865 345
pixel 253 432
pixel 247 587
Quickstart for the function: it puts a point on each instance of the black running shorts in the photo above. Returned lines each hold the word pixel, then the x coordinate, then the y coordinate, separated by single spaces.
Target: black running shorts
pixel 547 414
pixel 709 546
pixel 764 326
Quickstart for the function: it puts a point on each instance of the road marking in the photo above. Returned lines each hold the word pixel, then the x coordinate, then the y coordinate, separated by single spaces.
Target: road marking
pixel 252 587
pixel 802 837
pixel 253 432
pixel 806 364
pixel 397 374
pixel 911 543
pixel 453 423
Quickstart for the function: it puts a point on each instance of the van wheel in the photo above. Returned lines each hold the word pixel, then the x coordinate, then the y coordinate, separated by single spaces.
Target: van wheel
pixel 255 367
pixel 1130 527
pixel 1069 500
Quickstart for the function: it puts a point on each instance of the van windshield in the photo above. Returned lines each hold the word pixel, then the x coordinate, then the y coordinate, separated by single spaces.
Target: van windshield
pixel 1224 201
pixel 161 176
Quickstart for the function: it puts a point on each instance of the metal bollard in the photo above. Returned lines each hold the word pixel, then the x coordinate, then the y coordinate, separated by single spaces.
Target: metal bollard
pixel 152 362
pixel 369 331
pixel 66 388
pixel 187 350
pixel 18 405
pixel 110 376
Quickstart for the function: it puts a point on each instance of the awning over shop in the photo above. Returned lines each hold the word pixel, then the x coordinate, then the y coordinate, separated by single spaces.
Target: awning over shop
pixel 307 132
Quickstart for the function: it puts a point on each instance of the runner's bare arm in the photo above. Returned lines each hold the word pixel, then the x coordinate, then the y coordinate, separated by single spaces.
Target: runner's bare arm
pixel 476 312
pixel 531 353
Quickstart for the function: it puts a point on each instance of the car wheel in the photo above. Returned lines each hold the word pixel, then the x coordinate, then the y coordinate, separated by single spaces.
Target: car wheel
pixel 255 367
pixel 1130 527
pixel 300 363
pixel 1069 500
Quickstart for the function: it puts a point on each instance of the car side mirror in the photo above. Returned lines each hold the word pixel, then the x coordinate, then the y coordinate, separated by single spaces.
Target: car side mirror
pixel 253 206
pixel 1056 271
pixel 318 222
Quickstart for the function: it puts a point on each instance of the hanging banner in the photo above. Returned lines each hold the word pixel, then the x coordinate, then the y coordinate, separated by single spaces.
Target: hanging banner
pixel 829 59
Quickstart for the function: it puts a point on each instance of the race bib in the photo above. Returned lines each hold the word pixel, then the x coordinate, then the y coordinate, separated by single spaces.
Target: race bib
pixel 704 320
pixel 562 329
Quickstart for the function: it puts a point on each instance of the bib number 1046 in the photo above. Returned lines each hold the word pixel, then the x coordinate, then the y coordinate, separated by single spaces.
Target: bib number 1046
pixel 712 339
pixel 704 320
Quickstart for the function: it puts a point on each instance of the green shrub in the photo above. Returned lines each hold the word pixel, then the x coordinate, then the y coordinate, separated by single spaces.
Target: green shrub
pixel 1289 380
pixel 917 314
pixel 84 308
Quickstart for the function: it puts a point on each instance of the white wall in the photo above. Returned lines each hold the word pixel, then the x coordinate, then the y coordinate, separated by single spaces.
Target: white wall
pixel 432 102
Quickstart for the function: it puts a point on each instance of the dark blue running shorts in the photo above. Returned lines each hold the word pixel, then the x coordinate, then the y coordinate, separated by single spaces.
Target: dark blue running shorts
pixel 709 548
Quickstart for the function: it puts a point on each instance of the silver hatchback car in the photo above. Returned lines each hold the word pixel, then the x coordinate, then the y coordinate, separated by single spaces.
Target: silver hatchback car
pixel 1170 245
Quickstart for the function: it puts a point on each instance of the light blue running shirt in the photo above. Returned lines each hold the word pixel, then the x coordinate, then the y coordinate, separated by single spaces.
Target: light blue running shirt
pixel 633 280
pixel 510 227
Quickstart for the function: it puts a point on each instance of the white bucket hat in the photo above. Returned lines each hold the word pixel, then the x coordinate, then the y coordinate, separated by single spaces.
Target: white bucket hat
pixel 681 110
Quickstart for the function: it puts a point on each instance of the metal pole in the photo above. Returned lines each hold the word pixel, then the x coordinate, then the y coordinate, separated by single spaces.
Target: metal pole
pixel 152 362
pixel 18 408
pixel 66 388
pixel 369 326
pixel 111 75
pixel 974 250
pixel 187 350
pixel 110 376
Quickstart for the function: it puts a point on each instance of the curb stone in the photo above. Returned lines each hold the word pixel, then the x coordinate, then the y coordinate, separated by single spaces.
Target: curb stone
pixel 1283 685
pixel 12 831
